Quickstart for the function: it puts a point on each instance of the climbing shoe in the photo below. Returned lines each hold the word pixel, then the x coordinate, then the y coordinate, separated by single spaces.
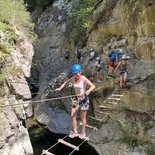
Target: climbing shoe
pixel 73 134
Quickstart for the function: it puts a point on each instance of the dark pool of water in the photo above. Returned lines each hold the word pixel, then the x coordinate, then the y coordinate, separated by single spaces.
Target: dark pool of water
pixel 42 139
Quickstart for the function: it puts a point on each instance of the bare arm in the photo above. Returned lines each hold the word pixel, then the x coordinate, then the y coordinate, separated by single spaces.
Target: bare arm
pixel 64 85
pixel 117 60
pixel 92 86
pixel 117 66
pixel 129 64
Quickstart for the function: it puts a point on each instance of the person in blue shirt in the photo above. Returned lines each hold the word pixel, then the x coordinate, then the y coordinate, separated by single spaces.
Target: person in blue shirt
pixel 113 57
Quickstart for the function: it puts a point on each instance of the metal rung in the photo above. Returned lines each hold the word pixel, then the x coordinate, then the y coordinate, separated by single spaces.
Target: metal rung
pixel 68 144
pixel 102 106
pixel 89 126
pixel 113 102
pixel 100 112
pixel 118 99
pixel 47 153
pixel 95 118
pixel 117 95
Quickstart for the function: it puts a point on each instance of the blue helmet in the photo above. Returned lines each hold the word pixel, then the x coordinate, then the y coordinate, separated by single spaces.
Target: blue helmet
pixel 76 68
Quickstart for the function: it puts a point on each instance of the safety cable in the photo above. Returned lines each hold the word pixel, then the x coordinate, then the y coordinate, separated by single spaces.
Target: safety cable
pixel 29 83
pixel 51 99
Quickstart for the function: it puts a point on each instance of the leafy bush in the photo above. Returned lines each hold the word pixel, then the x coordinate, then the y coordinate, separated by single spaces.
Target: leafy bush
pixel 15 13
pixel 132 135
pixel 79 19
pixel 2 84
pixel 150 149
pixel 8 38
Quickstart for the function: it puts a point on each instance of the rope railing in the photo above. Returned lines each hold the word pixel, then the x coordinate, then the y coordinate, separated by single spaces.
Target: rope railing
pixel 51 99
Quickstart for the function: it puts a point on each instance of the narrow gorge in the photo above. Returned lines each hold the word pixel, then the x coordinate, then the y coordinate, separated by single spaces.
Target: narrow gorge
pixel 32 65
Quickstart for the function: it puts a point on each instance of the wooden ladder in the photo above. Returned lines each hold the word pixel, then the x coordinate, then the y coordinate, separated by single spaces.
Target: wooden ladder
pixel 68 144
pixel 47 153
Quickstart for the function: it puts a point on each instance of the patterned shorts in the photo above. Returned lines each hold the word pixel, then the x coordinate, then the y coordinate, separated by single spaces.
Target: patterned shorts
pixel 84 104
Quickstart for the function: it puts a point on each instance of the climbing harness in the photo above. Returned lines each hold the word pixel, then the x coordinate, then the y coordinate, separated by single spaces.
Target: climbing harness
pixel 113 99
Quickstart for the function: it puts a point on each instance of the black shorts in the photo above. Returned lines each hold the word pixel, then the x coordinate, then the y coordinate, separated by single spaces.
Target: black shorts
pixel 97 69
pixel 123 72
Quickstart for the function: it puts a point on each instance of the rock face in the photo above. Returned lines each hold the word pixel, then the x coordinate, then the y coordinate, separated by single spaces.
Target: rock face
pixel 131 25
pixel 51 69
pixel 14 137
pixel 127 24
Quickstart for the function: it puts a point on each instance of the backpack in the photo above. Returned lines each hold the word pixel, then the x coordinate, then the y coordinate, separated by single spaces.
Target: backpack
pixel 111 53
pixel 112 56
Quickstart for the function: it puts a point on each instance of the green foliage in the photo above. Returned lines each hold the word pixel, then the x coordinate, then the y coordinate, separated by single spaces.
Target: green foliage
pixel 15 13
pixel 14 71
pixel 5 48
pixel 131 135
pixel 2 83
pixel 8 39
pixel 87 24
pixel 150 149
pixel 79 19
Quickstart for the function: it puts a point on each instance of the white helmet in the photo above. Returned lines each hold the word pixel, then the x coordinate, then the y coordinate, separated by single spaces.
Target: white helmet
pixel 120 50
pixel 127 57
pixel 124 57
pixel 98 58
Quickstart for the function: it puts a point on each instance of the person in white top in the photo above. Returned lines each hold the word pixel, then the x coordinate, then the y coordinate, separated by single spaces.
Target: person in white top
pixel 97 68
pixel 80 84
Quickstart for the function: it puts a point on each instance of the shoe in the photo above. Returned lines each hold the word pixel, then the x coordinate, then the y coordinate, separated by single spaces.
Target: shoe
pixel 82 135
pixel 73 134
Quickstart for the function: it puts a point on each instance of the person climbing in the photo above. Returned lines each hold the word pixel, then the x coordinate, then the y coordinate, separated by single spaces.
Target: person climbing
pixel 92 53
pixel 97 68
pixel 66 54
pixel 122 65
pixel 113 57
pixel 79 54
pixel 79 83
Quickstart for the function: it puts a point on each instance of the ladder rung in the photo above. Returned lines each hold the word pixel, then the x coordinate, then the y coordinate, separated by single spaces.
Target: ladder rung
pixel 68 144
pixel 47 153
pixel 117 95
pixel 102 106
pixel 113 102
pixel 100 112
pixel 118 99
pixel 89 126
pixel 95 118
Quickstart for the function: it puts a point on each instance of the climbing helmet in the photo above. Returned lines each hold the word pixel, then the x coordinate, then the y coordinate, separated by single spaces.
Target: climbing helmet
pixel 76 68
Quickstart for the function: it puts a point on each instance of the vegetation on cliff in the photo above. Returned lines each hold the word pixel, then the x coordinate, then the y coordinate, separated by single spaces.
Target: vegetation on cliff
pixel 13 14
